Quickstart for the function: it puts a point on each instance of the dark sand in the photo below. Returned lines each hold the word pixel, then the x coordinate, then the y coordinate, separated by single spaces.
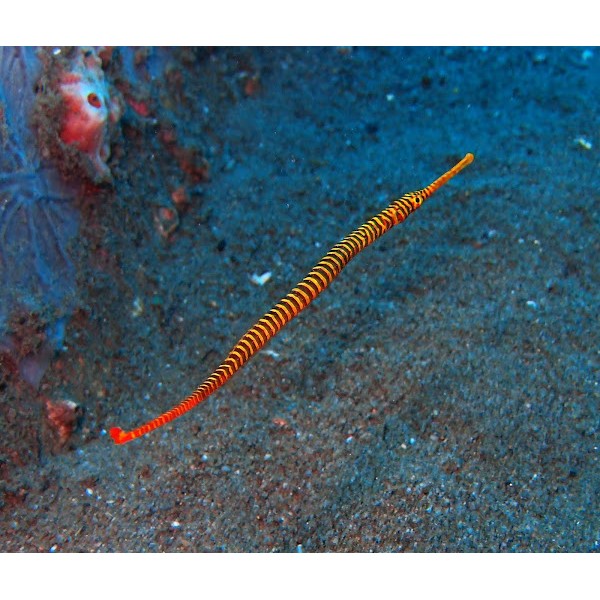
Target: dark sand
pixel 442 395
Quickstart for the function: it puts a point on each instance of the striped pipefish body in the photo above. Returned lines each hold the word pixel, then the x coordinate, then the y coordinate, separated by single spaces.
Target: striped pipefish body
pixel 317 280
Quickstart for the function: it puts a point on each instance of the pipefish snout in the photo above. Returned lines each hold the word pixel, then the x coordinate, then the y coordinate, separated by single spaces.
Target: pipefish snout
pixel 290 306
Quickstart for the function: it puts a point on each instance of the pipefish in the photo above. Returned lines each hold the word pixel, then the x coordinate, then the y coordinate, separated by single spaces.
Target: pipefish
pixel 290 306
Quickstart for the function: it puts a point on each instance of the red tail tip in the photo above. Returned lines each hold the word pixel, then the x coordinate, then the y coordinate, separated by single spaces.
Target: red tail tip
pixel 117 434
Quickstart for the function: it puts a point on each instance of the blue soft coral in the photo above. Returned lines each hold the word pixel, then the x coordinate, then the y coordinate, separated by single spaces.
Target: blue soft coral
pixel 37 217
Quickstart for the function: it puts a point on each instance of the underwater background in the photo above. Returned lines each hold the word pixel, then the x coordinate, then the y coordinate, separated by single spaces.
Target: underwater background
pixel 442 395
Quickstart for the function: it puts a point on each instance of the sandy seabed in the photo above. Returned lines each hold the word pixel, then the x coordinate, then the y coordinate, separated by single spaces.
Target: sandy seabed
pixel 442 395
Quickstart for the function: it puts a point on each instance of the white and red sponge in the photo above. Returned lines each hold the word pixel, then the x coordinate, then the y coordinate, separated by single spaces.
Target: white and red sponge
pixel 90 108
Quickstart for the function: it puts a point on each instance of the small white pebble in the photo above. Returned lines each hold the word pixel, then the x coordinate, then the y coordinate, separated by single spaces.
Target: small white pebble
pixel 261 279
pixel 583 143
pixel 349 439
pixel 138 307
pixel 586 55
pixel 89 491
pixel 267 457
pixel 390 97
pixel 539 57
pixel 532 304
pixel 53 548
pixel 175 524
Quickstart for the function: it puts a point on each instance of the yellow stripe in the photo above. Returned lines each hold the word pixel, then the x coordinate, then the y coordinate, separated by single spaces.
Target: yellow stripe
pixel 300 292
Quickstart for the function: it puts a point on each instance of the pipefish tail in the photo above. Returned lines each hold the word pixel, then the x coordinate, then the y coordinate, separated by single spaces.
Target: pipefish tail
pixel 317 280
